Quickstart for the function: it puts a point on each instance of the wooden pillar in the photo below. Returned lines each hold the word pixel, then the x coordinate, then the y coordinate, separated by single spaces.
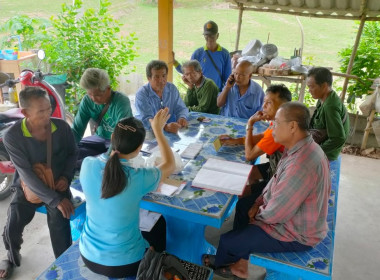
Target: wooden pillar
pixel 165 34
pixel 363 9
pixel 239 26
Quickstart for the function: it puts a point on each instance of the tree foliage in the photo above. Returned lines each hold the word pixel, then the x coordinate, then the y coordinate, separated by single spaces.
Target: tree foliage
pixel 80 39
pixel 366 64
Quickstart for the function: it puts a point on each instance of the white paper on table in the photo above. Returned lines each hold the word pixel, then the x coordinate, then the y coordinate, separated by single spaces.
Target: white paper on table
pixel 169 187
pixel 148 219
pixel 192 150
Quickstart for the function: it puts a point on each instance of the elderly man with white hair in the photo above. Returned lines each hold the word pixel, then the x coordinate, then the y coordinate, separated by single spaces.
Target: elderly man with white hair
pixel 104 107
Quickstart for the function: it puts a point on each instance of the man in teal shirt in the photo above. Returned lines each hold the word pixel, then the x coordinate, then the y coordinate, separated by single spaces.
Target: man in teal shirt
pixel 99 95
pixel 202 92
pixel 330 115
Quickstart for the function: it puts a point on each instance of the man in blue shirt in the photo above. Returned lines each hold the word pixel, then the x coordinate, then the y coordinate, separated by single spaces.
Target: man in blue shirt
pixel 158 94
pixel 215 60
pixel 241 97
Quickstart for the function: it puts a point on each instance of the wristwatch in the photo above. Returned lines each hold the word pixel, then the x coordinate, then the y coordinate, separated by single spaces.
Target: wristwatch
pixel 248 127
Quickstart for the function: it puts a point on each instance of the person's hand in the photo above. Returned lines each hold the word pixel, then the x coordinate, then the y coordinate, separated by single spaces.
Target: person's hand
pixel 183 122
pixel 252 212
pixel 61 184
pixel 66 208
pixel 258 116
pixel 226 140
pixel 186 81
pixel 230 81
pixel 172 127
pixel 160 119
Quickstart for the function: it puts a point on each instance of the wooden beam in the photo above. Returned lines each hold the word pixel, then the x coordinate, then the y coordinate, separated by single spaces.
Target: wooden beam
pixel 363 9
pixel 165 34
pixel 241 8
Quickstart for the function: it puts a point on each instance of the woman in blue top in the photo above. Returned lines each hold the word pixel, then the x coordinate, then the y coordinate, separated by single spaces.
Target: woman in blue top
pixel 111 242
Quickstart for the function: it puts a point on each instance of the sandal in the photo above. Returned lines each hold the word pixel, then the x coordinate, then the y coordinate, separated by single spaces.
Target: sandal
pixel 224 272
pixel 208 260
pixel 8 267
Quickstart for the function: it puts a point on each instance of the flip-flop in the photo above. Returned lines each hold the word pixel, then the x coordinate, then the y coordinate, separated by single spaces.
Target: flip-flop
pixel 208 260
pixel 224 272
pixel 8 267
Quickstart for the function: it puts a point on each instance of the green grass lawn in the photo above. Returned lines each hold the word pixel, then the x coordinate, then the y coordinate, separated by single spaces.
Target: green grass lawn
pixel 323 37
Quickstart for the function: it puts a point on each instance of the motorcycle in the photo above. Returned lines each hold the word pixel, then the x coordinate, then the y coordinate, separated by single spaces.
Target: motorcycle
pixel 9 117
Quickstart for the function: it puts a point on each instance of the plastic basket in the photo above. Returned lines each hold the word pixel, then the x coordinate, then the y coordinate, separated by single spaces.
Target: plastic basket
pixel 9 55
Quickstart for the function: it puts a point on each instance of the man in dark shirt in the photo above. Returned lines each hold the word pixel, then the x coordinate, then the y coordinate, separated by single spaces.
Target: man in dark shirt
pixel 26 143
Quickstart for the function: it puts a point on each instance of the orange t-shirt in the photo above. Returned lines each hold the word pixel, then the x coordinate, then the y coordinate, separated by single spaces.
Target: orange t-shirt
pixel 267 143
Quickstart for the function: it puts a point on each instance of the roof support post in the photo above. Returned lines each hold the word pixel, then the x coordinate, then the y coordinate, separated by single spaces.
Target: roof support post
pixel 363 9
pixel 165 34
pixel 241 8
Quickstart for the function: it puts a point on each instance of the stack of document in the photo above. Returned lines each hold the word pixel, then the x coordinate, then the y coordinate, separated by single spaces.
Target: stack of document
pixel 192 150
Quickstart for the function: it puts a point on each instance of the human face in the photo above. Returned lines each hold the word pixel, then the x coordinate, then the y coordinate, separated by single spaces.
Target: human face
pixel 98 96
pixel 211 40
pixel 317 91
pixel 38 112
pixel 191 75
pixel 281 132
pixel 271 104
pixel 242 75
pixel 158 80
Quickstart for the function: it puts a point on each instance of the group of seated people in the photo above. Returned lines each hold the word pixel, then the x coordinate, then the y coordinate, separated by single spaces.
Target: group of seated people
pixel 283 209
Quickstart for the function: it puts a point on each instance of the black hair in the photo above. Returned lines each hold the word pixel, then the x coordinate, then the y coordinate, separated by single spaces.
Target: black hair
pixel 298 112
pixel 283 92
pixel 128 135
pixel 321 75
pixel 156 65
pixel 31 93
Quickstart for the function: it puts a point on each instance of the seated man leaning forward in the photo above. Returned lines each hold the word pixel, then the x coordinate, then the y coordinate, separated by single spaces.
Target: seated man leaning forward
pixel 258 144
pixel 103 106
pixel 26 143
pixel 290 214
pixel 158 94
pixel 202 92
pixel 241 97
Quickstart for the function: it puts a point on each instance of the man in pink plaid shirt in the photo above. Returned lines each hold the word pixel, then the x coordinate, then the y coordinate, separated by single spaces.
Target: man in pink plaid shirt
pixel 290 214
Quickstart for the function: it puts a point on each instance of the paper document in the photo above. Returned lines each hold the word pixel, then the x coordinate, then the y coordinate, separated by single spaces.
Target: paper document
pixel 170 187
pixel 192 150
pixel 148 219
pixel 223 176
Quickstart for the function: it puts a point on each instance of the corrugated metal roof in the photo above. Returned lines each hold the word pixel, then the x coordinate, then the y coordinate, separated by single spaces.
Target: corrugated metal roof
pixel 346 9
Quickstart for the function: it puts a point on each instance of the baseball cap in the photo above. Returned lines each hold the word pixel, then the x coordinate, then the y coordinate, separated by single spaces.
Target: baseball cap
pixel 210 28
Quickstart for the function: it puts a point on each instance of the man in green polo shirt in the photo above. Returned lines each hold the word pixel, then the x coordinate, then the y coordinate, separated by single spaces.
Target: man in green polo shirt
pixel 330 116
pixel 202 92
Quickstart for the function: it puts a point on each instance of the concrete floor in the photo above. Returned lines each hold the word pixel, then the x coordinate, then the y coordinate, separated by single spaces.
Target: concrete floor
pixel 357 242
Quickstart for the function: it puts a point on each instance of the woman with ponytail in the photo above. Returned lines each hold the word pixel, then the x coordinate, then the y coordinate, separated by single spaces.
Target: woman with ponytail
pixel 111 243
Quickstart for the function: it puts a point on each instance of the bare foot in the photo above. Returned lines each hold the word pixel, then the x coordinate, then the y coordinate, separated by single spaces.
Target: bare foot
pixel 6 269
pixel 240 268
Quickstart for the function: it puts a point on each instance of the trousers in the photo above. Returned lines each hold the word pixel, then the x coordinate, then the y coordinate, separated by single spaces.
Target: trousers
pixel 21 213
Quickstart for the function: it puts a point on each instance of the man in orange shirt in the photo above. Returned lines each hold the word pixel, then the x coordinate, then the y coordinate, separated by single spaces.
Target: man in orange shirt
pixel 263 143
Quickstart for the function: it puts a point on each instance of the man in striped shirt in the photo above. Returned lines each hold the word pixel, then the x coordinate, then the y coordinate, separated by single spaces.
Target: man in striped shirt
pixel 290 214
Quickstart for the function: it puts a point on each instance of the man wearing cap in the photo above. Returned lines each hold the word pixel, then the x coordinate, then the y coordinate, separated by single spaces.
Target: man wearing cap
pixel 214 59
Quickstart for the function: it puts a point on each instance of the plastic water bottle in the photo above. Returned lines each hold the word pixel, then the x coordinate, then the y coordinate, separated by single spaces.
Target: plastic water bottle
pixel 13 96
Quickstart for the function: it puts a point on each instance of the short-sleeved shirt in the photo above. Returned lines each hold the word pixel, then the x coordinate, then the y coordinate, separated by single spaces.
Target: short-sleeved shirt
pixel 111 234
pixel 120 107
pixel 267 143
pixel 243 106
pixel 148 103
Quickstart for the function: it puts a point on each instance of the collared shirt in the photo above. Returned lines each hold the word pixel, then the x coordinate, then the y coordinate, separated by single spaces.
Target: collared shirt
pixel 294 204
pixel 24 151
pixel 267 143
pixel 222 61
pixel 329 115
pixel 148 103
pixel 203 98
pixel 111 234
pixel 243 106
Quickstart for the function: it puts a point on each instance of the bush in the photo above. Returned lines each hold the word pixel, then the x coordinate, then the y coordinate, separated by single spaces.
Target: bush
pixel 79 41
pixel 366 64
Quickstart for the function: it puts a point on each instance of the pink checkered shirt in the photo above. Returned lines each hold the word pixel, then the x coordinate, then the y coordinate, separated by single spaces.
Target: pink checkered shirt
pixel 294 204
